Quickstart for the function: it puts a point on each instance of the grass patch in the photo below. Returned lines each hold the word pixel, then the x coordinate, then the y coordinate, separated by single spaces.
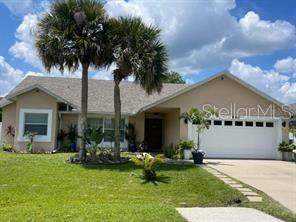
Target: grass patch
pixel 45 188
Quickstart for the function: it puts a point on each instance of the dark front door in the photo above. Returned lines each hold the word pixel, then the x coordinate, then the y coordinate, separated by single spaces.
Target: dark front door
pixel 153 134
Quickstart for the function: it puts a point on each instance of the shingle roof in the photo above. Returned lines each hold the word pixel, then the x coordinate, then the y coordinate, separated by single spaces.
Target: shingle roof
pixel 133 97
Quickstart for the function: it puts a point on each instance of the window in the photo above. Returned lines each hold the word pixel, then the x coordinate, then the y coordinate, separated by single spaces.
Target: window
pixel 269 124
pixel 37 121
pixel 109 130
pixel 239 123
pixel 259 124
pixel 95 122
pixel 228 123
pixel 217 122
pixel 249 124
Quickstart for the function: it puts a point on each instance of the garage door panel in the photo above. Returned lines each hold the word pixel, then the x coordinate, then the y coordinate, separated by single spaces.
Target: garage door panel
pixel 238 141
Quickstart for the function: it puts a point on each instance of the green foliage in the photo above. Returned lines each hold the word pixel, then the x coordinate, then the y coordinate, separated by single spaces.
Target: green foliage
pixel 72 32
pixel 174 77
pixel 72 134
pixel 200 119
pixel 186 145
pixel 130 133
pixel 7 147
pixel 149 164
pixel 30 136
pixel 93 137
pixel 286 147
pixel 172 152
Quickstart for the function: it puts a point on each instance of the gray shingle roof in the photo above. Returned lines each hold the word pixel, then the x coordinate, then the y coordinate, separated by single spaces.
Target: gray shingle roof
pixel 133 97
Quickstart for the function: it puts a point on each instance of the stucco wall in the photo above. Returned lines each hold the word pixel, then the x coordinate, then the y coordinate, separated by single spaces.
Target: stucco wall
pixel 139 122
pixel 37 99
pixel 172 127
pixel 221 92
pixel 8 119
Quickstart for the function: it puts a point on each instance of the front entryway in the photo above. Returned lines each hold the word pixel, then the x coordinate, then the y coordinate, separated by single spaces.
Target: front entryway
pixel 153 134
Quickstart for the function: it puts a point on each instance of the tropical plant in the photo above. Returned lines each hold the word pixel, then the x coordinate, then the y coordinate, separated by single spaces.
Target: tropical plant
pixel 174 77
pixel 10 131
pixel 30 136
pixel 72 135
pixel 71 35
pixel 200 118
pixel 136 51
pixel 93 137
pixel 149 164
pixel 286 147
pixel 7 147
pixel 130 133
pixel 172 152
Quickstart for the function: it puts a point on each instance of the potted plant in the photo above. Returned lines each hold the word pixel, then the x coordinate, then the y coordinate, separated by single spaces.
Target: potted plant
pixel 72 136
pixel 200 119
pixel 287 150
pixel 130 136
pixel 185 148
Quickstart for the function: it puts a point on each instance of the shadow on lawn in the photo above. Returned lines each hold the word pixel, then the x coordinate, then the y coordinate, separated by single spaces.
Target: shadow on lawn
pixel 157 181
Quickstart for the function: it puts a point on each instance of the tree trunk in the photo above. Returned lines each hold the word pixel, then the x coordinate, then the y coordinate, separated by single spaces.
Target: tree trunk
pixel 117 109
pixel 83 117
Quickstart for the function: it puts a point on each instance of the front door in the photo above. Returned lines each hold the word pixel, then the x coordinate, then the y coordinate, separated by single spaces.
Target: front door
pixel 153 134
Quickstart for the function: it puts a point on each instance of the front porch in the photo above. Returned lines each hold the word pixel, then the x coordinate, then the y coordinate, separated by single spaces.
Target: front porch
pixel 157 127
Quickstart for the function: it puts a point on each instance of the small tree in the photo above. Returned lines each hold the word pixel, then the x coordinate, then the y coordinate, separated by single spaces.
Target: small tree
pixel 174 77
pixel 93 137
pixel 200 118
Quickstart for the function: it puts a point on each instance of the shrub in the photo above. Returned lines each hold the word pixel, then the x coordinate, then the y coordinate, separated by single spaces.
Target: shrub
pixel 149 164
pixel 286 147
pixel 172 152
pixel 7 147
pixel 93 136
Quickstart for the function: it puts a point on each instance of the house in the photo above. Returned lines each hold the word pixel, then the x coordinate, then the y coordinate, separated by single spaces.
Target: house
pixel 250 124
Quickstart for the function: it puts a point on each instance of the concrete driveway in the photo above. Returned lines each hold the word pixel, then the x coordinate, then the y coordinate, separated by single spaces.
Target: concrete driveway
pixel 275 178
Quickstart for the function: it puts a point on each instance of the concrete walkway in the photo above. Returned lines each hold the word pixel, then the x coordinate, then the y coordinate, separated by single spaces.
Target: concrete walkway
pixel 275 178
pixel 225 214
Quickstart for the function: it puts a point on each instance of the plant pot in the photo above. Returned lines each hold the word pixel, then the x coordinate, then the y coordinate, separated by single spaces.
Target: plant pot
pixel 198 157
pixel 287 156
pixel 187 154
pixel 132 148
pixel 73 147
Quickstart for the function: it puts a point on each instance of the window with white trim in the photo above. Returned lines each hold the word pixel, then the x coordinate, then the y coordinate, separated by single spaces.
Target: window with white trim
pixel 38 121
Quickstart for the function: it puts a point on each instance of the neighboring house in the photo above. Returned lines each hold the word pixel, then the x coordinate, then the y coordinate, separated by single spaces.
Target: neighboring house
pixel 48 104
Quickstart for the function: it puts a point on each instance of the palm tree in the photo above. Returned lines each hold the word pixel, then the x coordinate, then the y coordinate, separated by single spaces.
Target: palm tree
pixel 200 118
pixel 137 52
pixel 70 35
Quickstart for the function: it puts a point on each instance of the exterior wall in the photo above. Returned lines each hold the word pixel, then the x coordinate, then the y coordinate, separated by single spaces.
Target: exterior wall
pixel 139 122
pixel 172 127
pixel 221 93
pixel 8 119
pixel 37 99
pixel 67 120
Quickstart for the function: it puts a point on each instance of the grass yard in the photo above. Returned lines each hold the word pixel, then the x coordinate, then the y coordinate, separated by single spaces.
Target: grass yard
pixel 45 188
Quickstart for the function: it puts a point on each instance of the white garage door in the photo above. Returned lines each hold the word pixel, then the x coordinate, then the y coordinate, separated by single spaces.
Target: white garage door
pixel 239 139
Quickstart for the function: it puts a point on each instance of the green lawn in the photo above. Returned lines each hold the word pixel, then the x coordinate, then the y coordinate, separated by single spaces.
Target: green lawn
pixel 45 188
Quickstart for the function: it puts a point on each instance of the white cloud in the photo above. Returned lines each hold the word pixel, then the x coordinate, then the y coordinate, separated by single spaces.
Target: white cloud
pixel 17 6
pixel 203 34
pixel 287 65
pixel 9 76
pixel 278 85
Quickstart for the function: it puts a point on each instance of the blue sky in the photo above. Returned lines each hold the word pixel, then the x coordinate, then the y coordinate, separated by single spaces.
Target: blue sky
pixel 255 40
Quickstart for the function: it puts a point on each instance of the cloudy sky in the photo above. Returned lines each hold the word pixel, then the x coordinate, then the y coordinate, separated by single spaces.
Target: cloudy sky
pixel 256 40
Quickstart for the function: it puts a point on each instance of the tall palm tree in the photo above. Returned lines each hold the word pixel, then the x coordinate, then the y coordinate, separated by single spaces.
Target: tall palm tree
pixel 70 35
pixel 137 52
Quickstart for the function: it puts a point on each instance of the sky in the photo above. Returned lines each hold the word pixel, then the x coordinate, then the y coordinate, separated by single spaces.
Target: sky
pixel 254 40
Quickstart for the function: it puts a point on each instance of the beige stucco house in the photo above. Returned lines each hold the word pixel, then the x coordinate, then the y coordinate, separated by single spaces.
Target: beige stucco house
pixel 250 124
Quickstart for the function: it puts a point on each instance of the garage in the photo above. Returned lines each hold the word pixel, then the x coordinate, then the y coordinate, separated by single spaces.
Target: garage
pixel 254 139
